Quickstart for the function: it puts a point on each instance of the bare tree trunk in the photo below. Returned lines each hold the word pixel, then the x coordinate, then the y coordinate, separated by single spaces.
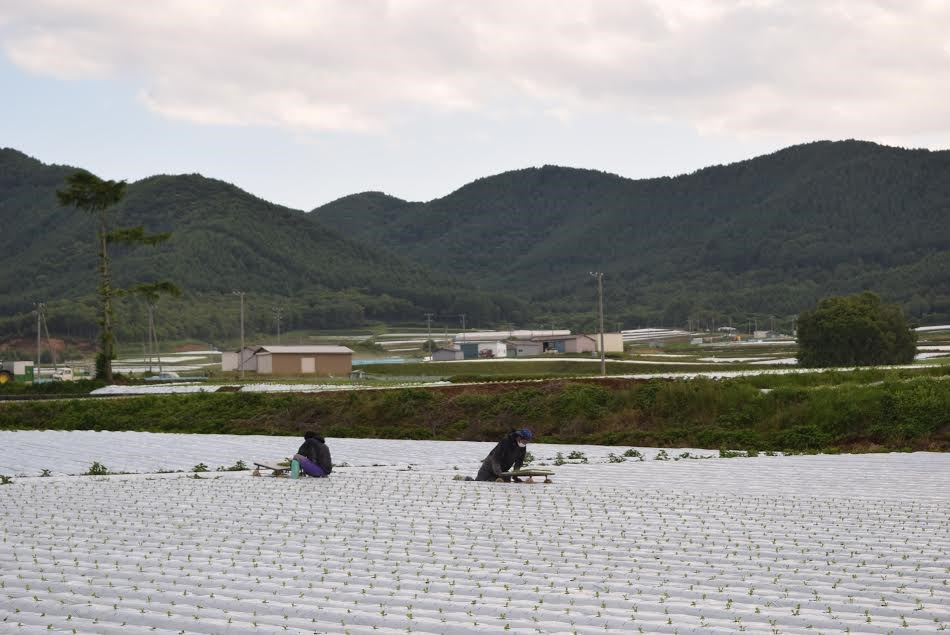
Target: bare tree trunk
pixel 106 336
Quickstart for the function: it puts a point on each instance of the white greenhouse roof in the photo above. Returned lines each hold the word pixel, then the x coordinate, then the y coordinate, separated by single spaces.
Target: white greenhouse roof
pixel 306 350
pixel 521 334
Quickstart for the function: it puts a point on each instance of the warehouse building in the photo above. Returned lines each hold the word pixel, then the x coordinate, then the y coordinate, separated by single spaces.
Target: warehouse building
pixel 292 360
pixel 496 344
pixel 576 343
pixel 446 354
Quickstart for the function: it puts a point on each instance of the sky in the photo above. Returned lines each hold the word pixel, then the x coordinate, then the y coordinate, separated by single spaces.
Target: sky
pixel 301 102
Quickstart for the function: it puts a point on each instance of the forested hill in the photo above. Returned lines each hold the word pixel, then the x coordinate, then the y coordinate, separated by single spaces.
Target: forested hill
pixel 352 211
pixel 223 239
pixel 767 236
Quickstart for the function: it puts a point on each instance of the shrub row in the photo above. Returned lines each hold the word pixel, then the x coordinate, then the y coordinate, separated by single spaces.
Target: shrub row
pixel 891 415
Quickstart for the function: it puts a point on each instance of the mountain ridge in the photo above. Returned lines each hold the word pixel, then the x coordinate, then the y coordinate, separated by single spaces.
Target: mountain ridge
pixel 769 234
pixel 764 236
pixel 222 239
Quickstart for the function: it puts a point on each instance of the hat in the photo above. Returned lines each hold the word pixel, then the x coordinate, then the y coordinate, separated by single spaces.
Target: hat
pixel 525 434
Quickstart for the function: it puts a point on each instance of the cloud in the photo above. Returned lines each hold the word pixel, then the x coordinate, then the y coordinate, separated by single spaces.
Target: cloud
pixel 831 68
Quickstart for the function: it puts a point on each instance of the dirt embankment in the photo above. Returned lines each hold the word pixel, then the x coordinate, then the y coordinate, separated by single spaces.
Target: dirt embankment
pixel 25 347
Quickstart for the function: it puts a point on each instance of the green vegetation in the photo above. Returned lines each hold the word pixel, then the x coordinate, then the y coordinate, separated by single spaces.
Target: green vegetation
pixel 78 387
pixel 856 330
pixel 151 293
pixel 97 469
pixel 832 378
pixel 760 238
pixel 891 414
pixel 223 239
pixel 92 195
pixel 768 236
pixel 474 371
pixel 239 466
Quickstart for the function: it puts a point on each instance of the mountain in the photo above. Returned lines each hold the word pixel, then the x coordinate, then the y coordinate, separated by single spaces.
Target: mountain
pixel 223 239
pixel 767 236
pixel 763 237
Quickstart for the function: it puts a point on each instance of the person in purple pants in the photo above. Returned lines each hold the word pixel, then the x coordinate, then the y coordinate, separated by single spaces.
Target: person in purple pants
pixel 314 455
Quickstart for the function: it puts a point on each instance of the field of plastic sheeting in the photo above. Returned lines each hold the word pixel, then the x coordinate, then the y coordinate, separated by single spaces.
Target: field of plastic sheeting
pixel 29 452
pixel 822 544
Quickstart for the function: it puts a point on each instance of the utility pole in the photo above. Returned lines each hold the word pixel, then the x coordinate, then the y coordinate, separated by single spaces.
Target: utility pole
pixel 429 331
pixel 151 336
pixel 241 354
pixel 277 313
pixel 462 315
pixel 39 316
pixel 600 306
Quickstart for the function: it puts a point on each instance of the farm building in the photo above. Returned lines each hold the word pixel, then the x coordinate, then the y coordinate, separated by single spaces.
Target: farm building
pixel 482 349
pixel 524 343
pixel 293 360
pixel 566 343
pixel 613 342
pixel 446 354
pixel 231 360
pixel 523 348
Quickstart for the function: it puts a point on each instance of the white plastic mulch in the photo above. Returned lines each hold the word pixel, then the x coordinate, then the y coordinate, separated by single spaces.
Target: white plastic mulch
pixel 194 387
pixel 790 544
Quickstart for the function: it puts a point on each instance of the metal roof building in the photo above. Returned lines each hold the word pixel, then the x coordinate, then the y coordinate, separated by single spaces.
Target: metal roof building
pixel 298 360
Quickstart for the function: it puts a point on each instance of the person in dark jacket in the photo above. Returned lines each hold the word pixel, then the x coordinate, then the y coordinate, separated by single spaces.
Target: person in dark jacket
pixel 509 453
pixel 314 455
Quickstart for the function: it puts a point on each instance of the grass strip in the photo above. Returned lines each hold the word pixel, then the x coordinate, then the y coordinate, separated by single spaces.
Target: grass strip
pixel 893 414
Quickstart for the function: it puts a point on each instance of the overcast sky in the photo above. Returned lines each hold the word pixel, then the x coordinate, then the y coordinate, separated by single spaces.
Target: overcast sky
pixel 301 102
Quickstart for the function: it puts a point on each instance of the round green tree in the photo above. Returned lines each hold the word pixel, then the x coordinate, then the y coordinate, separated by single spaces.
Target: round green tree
pixel 854 330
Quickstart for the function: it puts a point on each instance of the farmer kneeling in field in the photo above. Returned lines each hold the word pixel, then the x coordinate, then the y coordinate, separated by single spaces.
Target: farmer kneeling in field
pixel 509 452
pixel 314 455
